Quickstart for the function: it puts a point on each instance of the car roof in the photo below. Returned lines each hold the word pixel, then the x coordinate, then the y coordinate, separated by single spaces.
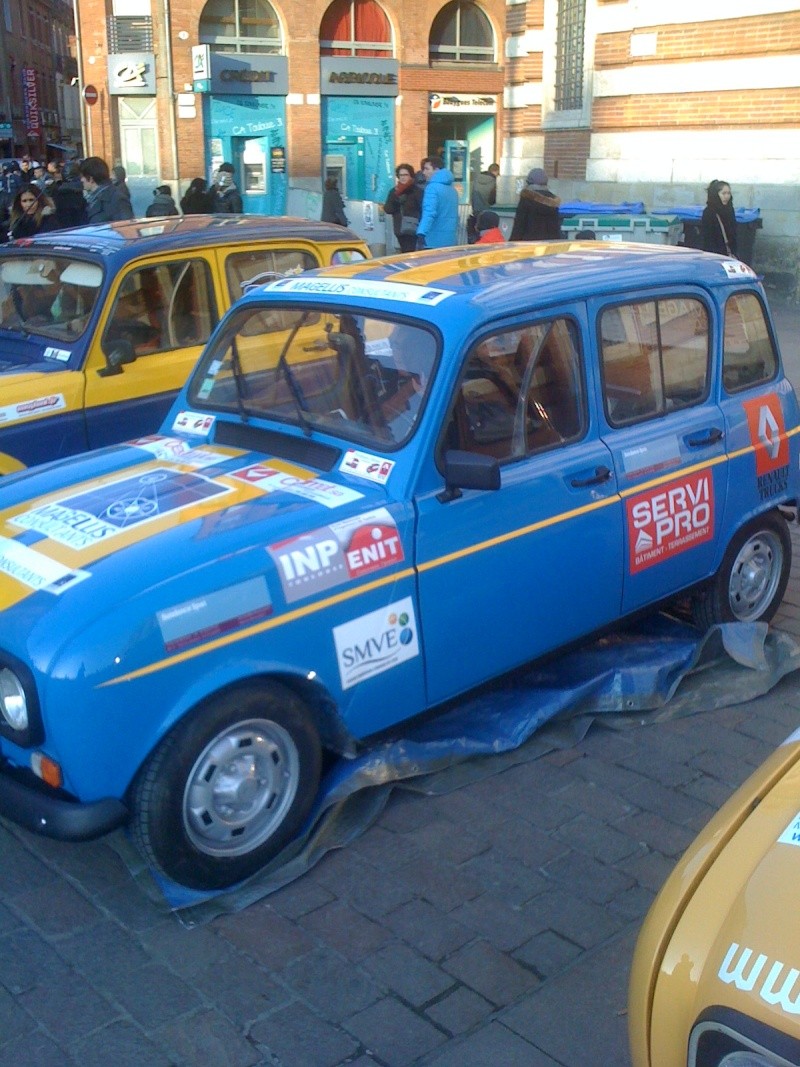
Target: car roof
pixel 480 282
pixel 137 237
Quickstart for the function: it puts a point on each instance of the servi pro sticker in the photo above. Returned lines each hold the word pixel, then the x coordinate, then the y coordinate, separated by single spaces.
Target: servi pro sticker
pixel 669 519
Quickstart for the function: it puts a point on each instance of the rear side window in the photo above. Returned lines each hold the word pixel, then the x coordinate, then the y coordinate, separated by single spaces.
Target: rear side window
pixel 244 270
pixel 655 358
pixel 162 307
pixel 522 393
pixel 749 357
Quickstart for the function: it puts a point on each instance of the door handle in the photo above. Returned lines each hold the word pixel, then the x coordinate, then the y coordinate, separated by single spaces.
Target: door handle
pixel 709 437
pixel 601 474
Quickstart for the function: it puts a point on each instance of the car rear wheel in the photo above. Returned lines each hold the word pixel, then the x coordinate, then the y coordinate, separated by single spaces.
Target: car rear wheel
pixel 228 787
pixel 750 584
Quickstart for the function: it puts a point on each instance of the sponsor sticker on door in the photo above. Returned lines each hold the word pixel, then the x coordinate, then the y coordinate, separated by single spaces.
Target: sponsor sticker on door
pixel 768 437
pixel 669 519
pixel 377 642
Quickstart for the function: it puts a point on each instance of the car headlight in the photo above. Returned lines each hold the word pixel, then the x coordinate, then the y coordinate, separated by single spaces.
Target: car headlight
pixel 13 702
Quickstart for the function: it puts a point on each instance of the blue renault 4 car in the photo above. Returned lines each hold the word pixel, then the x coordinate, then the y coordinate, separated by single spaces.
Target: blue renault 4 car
pixel 384 484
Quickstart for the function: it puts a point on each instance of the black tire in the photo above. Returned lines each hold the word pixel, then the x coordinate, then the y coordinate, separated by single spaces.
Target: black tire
pixel 228 787
pixel 749 585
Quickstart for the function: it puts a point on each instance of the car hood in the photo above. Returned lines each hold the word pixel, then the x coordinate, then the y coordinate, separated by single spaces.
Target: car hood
pixel 737 943
pixel 79 538
pixel 25 358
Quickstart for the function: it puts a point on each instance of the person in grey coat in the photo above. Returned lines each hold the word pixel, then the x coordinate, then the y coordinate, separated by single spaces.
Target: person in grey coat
pixel 104 202
pixel 162 204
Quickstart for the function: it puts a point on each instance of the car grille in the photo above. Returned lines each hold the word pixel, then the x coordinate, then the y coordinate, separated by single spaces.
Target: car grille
pixel 722 1037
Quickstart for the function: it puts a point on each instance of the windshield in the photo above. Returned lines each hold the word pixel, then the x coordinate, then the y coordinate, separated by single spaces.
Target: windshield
pixel 51 295
pixel 359 377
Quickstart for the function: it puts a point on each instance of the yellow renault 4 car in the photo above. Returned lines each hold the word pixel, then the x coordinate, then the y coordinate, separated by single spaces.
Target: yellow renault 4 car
pixel 100 326
pixel 716 973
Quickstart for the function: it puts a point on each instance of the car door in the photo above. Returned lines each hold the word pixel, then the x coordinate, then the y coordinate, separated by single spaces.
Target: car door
pixel 666 434
pixel 510 574
pixel 158 319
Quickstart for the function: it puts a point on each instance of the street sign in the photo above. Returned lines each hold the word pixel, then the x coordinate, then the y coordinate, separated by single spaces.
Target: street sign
pixel 90 94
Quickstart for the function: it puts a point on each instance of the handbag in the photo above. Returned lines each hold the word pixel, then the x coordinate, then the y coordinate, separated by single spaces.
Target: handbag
pixel 408 225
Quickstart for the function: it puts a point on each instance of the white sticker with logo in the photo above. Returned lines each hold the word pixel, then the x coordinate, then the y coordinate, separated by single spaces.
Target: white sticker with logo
pixel 361 289
pixel 363 465
pixel 192 422
pixel 35 570
pixel 775 982
pixel 734 268
pixel 178 450
pixel 377 642
pixel 30 409
pixel 791 835
pixel 61 354
pixel 347 550
pixel 274 481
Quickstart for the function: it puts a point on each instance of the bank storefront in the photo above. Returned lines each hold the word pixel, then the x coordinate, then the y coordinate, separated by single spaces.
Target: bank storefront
pixel 358 124
pixel 244 119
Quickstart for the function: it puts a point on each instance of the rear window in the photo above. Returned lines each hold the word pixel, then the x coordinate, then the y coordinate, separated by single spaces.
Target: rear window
pixel 49 295
pixel 749 357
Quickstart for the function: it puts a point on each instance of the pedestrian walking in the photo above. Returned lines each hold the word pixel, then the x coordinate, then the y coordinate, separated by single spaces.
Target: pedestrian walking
pixel 482 197
pixel 162 204
pixel 718 223
pixel 197 200
pixel 332 204
pixel 404 204
pixel 104 202
pixel 438 224
pixel 536 217
pixel 67 195
pixel 488 229
pixel 32 212
pixel 226 197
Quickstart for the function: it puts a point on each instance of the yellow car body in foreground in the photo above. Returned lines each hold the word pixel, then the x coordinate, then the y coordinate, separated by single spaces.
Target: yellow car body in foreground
pixel 716 973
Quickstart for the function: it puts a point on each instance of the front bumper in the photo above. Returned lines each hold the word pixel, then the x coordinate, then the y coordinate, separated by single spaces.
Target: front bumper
pixel 56 816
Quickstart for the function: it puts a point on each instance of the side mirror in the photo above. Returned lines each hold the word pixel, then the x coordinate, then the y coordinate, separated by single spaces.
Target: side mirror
pixel 121 353
pixel 468 470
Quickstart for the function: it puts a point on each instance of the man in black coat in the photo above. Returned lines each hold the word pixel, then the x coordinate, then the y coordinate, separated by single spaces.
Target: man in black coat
pixel 104 202
pixel 67 195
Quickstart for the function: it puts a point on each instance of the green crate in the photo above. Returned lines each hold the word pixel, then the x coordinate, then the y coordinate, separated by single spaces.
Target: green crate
pixel 650 229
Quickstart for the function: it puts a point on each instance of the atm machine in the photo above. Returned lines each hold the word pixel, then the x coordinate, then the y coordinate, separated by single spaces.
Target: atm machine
pixel 455 159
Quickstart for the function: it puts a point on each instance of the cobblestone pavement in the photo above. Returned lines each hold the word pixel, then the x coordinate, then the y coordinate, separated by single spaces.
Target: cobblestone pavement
pixel 491 926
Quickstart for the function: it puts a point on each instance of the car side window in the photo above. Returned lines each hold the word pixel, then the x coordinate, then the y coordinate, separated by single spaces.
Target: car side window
pixel 521 393
pixel 655 358
pixel 244 270
pixel 162 307
pixel 749 357
pixel 347 255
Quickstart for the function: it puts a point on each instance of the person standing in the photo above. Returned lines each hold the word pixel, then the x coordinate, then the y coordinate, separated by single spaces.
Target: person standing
pixel 332 204
pixel 104 202
pixel 32 212
pixel 227 199
pixel 67 195
pixel 404 204
pixel 536 217
pixel 488 229
pixel 718 223
pixel 119 179
pixel 438 224
pixel 162 204
pixel 198 199
pixel 482 197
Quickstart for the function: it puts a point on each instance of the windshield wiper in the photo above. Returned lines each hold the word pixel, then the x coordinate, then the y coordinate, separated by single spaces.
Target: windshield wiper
pixel 294 389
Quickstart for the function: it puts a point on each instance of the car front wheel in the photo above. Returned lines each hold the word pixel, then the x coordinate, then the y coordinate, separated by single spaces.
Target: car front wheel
pixel 750 584
pixel 228 787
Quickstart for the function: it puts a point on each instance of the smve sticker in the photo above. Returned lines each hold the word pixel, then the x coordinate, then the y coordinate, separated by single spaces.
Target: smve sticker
pixel 377 642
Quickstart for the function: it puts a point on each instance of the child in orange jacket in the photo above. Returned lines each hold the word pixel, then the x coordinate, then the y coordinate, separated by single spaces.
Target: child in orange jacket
pixel 488 227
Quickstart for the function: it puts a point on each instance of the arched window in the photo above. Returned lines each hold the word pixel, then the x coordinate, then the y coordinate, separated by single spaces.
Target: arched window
pixel 355 28
pixel 461 33
pixel 241 26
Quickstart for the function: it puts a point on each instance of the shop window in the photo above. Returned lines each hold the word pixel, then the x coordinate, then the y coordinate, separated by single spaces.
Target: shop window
pixel 241 26
pixel 749 356
pixel 461 33
pixel 355 28
pixel 569 55
pixel 655 358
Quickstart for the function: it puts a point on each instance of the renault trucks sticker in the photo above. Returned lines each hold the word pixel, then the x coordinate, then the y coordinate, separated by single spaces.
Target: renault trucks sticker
pixel 36 571
pixel 30 409
pixel 768 437
pixel 341 552
pixel 112 508
pixel 669 519
pixel 271 480
pixel 775 982
pixel 376 642
pixel 214 615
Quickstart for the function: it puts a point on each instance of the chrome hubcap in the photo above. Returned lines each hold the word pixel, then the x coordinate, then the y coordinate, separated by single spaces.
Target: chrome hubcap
pixel 755 576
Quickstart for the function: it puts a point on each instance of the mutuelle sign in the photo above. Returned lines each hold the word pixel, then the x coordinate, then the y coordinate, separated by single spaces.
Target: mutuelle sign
pixel 352 76
pixel 240 73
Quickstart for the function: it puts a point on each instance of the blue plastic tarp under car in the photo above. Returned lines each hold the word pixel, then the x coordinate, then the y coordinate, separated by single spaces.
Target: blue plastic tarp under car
pixel 658 669
pixel 592 207
pixel 695 212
